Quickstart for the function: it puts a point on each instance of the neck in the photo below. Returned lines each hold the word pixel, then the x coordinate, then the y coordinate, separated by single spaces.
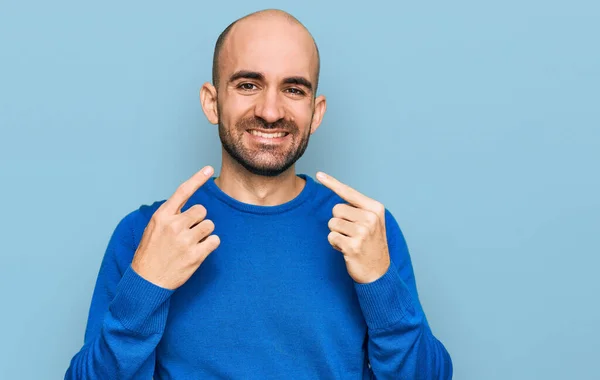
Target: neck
pixel 237 182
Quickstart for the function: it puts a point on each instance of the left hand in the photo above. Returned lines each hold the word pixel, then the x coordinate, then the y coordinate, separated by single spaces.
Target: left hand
pixel 358 231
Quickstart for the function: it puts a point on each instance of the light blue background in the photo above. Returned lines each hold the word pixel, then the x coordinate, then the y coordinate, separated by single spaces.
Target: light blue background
pixel 476 123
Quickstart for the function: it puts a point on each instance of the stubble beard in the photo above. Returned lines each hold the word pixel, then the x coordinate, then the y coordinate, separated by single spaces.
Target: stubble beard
pixel 253 160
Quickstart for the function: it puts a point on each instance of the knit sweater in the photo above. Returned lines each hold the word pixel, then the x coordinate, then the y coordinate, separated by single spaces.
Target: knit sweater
pixel 273 301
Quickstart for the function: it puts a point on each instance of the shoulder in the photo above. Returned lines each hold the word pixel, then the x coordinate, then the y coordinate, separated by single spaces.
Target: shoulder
pixel 126 236
pixel 132 225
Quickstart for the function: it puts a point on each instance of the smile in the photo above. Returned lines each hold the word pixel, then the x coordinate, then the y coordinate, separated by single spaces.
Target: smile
pixel 268 135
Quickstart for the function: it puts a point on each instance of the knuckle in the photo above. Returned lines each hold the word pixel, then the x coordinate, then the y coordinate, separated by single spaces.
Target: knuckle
pixel 170 228
pixel 370 226
pixel 192 257
pixel 372 219
pixel 192 208
pixel 332 223
pixel 331 237
pixel 186 240
pixel 362 230
pixel 216 241
pixel 208 226
pixel 152 223
pixel 355 246
pixel 340 209
pixel 199 211
pixel 194 213
pixel 198 208
pixel 158 217
pixel 211 243
pixel 337 209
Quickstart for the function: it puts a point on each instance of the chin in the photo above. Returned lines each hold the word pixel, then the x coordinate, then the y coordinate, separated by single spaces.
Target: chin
pixel 265 170
pixel 266 161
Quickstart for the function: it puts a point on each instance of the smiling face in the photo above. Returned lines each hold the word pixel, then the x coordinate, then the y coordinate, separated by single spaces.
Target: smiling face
pixel 265 103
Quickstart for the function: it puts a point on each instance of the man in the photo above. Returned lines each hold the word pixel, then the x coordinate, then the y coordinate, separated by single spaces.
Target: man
pixel 259 273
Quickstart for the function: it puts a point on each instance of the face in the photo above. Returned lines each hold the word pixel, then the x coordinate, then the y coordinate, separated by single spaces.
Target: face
pixel 265 106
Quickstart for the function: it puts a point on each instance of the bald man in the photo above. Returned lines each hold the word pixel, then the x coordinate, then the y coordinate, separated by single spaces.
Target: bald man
pixel 259 273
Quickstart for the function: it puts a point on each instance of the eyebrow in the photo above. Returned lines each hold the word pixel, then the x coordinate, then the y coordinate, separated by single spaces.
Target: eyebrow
pixel 301 81
pixel 246 74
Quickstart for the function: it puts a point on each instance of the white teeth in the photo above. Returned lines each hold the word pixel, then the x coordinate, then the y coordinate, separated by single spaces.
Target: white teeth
pixel 267 135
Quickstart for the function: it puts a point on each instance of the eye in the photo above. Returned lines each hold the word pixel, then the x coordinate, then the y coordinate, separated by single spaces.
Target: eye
pixel 247 86
pixel 295 91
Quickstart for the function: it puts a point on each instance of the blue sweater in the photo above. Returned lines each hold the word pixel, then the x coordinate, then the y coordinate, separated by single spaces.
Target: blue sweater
pixel 273 301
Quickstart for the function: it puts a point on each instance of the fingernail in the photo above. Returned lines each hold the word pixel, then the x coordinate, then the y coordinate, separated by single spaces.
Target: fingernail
pixel 207 170
pixel 321 175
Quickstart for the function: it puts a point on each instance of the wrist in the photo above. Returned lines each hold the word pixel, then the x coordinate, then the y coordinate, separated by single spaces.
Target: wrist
pixel 371 272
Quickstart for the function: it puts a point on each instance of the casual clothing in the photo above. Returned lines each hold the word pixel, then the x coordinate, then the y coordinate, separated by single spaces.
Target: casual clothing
pixel 273 301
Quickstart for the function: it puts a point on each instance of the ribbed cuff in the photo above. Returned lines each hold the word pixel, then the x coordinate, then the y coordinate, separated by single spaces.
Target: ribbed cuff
pixel 139 305
pixel 386 301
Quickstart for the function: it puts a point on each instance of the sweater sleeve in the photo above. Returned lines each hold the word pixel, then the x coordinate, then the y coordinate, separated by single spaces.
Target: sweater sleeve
pixel 126 319
pixel 400 342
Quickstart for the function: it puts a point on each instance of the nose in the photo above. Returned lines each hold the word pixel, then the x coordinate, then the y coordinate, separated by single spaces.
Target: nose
pixel 269 106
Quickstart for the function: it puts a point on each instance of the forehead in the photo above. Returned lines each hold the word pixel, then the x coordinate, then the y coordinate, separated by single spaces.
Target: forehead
pixel 275 47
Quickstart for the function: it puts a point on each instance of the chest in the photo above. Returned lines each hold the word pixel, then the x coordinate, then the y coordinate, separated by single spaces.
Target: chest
pixel 268 288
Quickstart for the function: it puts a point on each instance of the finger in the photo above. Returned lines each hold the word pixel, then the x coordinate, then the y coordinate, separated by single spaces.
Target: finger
pixel 345 227
pixel 348 212
pixel 206 247
pixel 202 230
pixel 346 192
pixel 193 215
pixel 337 240
pixel 183 193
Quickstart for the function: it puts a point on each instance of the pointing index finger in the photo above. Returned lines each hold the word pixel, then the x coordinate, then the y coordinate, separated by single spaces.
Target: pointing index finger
pixel 347 193
pixel 183 193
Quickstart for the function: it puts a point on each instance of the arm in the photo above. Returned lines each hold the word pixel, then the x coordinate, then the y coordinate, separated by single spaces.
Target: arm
pixel 400 342
pixel 126 319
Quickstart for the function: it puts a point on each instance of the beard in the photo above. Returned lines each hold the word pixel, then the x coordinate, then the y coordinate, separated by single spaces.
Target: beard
pixel 267 160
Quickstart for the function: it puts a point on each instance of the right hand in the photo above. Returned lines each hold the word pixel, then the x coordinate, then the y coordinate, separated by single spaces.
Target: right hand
pixel 175 243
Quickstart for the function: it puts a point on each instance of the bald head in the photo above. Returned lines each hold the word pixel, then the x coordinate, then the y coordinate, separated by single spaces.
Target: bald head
pixel 273 21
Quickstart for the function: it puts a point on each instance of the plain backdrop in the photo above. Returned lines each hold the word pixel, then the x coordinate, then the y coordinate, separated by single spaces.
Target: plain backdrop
pixel 476 123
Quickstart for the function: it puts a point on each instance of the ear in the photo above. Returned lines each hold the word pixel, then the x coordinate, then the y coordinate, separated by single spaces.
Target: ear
pixel 208 99
pixel 320 108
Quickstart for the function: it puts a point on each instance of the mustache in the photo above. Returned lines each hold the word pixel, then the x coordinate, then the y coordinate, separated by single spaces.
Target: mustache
pixel 258 123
